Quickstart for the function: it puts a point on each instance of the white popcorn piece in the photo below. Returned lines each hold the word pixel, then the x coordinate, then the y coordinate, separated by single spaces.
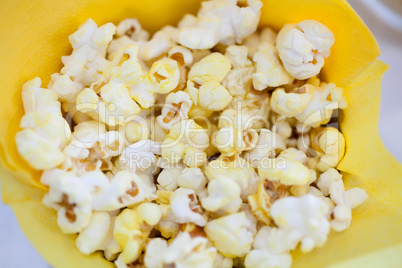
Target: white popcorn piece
pixel 213 96
pixel 66 89
pixel 231 234
pixel 125 189
pixel 286 171
pixel 236 169
pixel 305 217
pixel 270 72
pixel 182 55
pixel 220 22
pixel 92 148
pixel 133 29
pixel 292 103
pixel 140 156
pixel 185 207
pixel 271 249
pixel 93 237
pixel 164 76
pixel 223 195
pixel 183 251
pixel 192 178
pixel 37 99
pixel 72 197
pixel 268 144
pixel 160 43
pixel 168 178
pixel 132 228
pixel 253 41
pixel 329 144
pixel 303 47
pixel 42 139
pixel 223 262
pixel 326 99
pixel 175 109
pixel 214 67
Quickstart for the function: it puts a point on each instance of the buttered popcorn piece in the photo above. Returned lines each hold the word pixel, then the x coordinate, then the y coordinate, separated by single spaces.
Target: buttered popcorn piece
pixel 213 96
pixel 221 22
pixel 186 208
pixel 66 89
pixel 133 29
pixel 168 178
pixel 132 228
pixel 270 72
pixel 192 178
pixel 176 108
pixel 305 217
pixel 214 67
pixel 230 234
pixel 183 251
pixel 253 41
pixel 303 47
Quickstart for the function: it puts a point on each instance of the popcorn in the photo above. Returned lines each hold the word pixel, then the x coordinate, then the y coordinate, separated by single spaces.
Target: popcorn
pixel 330 183
pixel 185 207
pixel 182 55
pixel 164 76
pixel 192 178
pixel 213 96
pixel 304 217
pixel 326 99
pixel 93 237
pixel 175 109
pixel 221 22
pixel 230 234
pixel 253 41
pixel 140 157
pixel 329 144
pixel 167 226
pixel 303 47
pixel 66 89
pixel 92 148
pixel 132 228
pixel 133 29
pixel 71 197
pixel 293 103
pixel 270 72
pixel 37 99
pixel 286 171
pixel 160 43
pixel 186 140
pixel 261 202
pixel 183 251
pixel 214 67
pixel 125 189
pixel 236 169
pixel 270 249
pixel 168 178
pixel 223 195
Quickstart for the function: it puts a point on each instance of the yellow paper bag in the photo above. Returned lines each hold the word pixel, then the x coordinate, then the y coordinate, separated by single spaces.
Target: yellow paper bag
pixel 34 37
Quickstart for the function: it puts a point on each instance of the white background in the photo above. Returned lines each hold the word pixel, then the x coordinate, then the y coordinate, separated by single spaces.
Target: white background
pixel 16 251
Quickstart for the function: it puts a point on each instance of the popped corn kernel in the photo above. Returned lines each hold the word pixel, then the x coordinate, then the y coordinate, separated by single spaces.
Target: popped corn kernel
pixel 183 251
pixel 164 76
pixel 133 29
pixel 168 178
pixel 253 41
pixel 303 47
pixel 160 43
pixel 37 99
pixel 231 234
pixel 66 89
pixel 329 144
pixel 286 171
pixel 192 178
pixel 292 103
pixel 176 108
pixel 223 195
pixel 185 207
pixel 269 70
pixel 93 237
pixel 214 67
pixel 261 202
pixel 182 55
pixel 42 139
pixel 325 100
pixel 213 96
pixel 132 228
pixel 305 217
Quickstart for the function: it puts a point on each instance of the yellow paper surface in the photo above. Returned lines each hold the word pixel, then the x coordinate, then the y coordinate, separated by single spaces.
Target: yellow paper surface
pixel 33 37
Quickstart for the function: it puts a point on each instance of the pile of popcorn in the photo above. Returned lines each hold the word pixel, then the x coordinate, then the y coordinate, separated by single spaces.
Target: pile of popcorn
pixel 205 145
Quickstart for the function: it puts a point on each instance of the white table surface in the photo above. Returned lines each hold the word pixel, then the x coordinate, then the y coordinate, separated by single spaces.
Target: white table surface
pixel 16 251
